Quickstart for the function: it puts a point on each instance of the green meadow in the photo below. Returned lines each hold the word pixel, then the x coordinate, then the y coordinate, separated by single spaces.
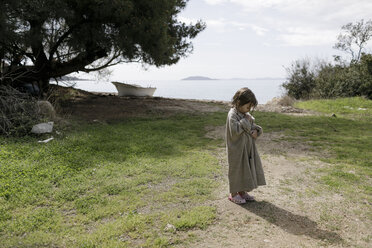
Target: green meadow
pixel 123 184
pixel 115 185
pixel 354 108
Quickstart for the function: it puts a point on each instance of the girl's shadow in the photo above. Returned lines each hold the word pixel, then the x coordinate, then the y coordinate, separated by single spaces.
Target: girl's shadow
pixel 292 223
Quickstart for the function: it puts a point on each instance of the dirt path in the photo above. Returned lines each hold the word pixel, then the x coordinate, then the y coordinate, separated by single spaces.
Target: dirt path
pixel 292 210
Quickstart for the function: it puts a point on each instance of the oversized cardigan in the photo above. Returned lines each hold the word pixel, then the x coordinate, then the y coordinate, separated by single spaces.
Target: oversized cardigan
pixel 245 167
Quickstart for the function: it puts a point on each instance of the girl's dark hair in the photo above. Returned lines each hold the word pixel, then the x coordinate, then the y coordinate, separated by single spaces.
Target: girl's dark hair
pixel 244 96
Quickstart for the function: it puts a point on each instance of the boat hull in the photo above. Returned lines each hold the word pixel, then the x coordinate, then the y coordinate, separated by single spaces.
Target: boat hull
pixel 133 90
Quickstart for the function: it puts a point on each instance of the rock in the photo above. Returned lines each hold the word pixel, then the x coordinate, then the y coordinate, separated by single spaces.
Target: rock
pixel 170 228
pixel 46 109
pixel 42 128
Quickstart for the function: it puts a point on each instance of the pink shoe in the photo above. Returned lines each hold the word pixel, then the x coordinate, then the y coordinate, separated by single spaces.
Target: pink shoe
pixel 237 199
pixel 247 197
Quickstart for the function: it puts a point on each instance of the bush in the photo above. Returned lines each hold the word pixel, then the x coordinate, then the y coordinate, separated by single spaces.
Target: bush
pixel 344 81
pixel 326 82
pixel 329 81
pixel 300 80
pixel 18 112
pixel 366 75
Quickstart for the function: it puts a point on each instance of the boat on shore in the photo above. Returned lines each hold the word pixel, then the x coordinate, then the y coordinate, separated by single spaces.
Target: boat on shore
pixel 133 89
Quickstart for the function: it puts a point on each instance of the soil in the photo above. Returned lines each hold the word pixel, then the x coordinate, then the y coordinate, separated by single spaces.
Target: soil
pixel 292 210
pixel 106 107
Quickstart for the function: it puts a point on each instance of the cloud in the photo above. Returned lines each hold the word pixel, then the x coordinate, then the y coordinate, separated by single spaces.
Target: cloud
pixel 218 24
pixel 243 26
pixel 223 25
pixel 259 30
pixel 214 2
pixel 300 6
pixel 307 37
pixel 326 10
pixel 296 22
pixel 250 4
pixel 187 20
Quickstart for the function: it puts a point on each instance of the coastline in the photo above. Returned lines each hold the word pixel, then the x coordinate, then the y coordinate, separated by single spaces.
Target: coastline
pixel 220 90
pixel 109 106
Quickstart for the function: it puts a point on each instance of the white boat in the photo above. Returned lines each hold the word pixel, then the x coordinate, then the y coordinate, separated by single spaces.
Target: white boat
pixel 133 89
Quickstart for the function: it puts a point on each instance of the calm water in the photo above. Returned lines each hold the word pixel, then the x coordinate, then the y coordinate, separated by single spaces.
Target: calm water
pixel 222 90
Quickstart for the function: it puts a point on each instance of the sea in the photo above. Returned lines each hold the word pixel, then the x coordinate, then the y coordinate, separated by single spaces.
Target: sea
pixel 219 90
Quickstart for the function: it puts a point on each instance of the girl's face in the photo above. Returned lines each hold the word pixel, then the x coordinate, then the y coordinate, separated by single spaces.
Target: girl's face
pixel 245 108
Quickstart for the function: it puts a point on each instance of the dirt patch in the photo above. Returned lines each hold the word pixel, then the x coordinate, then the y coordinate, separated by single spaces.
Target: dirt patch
pixel 103 107
pixel 108 107
pixel 292 210
pixel 284 105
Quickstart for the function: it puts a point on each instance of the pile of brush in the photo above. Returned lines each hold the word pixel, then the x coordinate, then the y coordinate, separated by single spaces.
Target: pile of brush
pixel 18 112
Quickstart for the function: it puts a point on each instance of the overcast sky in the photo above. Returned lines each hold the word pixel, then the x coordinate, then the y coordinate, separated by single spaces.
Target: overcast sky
pixel 255 38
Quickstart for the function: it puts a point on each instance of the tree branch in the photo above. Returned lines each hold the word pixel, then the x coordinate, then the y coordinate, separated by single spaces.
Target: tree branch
pixel 107 64
pixel 76 64
pixel 37 44
pixel 60 40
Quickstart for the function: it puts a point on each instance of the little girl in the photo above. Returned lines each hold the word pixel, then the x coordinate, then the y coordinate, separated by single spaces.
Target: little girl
pixel 245 168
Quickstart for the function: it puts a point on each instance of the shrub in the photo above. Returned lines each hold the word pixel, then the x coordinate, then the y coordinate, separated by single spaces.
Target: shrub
pixel 18 112
pixel 324 80
pixel 366 75
pixel 300 80
pixel 344 81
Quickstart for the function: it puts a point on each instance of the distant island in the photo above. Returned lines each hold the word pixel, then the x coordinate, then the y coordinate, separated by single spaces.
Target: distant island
pixel 198 78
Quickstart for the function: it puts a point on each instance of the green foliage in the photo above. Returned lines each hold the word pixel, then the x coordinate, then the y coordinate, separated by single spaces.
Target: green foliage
pixel 365 70
pixel 60 37
pixel 300 80
pixel 345 79
pixel 330 81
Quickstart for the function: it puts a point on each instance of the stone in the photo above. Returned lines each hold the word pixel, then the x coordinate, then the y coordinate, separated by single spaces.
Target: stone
pixel 46 109
pixel 170 228
pixel 43 128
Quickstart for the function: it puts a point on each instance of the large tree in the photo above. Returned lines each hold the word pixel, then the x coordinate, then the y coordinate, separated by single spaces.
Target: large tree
pixel 43 39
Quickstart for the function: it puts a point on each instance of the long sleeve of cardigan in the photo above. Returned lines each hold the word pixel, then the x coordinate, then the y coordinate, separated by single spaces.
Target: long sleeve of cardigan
pixel 258 128
pixel 237 127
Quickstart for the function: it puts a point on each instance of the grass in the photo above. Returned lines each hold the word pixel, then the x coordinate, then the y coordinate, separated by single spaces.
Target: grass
pixel 119 185
pixel 346 141
pixel 358 108
pixel 114 185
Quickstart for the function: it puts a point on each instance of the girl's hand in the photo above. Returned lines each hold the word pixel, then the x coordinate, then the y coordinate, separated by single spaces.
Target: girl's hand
pixel 254 134
pixel 248 117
